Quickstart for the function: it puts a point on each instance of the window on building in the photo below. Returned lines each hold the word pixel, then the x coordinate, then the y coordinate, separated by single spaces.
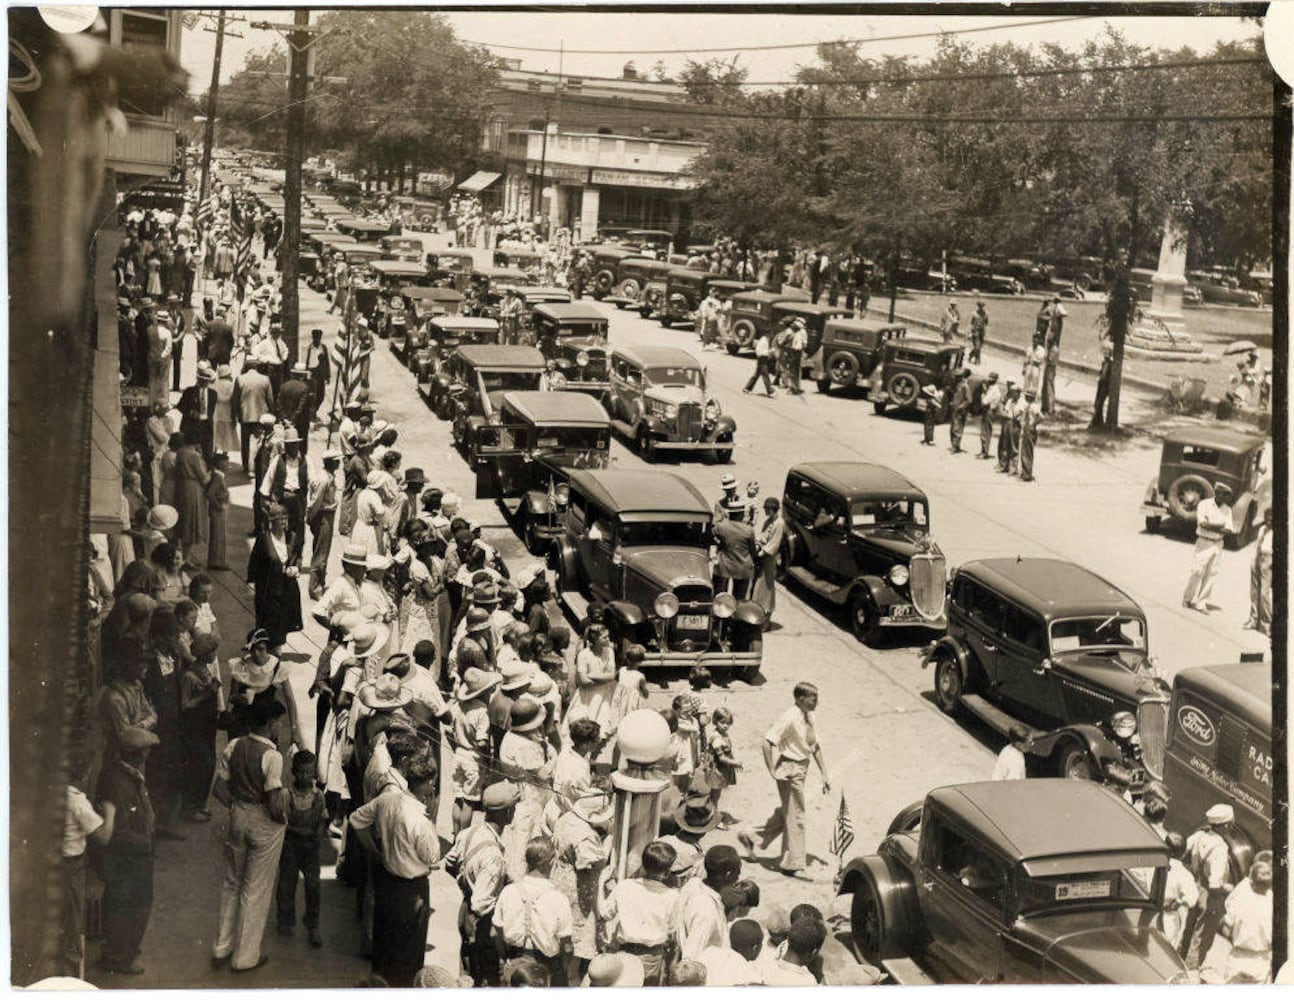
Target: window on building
pixel 604 130
pixel 144 30
pixel 536 125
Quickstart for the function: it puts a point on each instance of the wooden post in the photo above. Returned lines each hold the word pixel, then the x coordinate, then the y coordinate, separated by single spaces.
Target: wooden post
pixel 298 42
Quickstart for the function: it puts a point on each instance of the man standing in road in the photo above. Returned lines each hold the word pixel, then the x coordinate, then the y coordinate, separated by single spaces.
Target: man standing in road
pixel 978 331
pixel 708 317
pixel 321 515
pixel 770 536
pixel 737 551
pixel 932 404
pixel 1260 579
pixel 220 340
pixel 293 402
pixel 960 408
pixel 1028 417
pixel 950 324
pixel 788 746
pixel 320 370
pixel 1052 343
pixel 1103 382
pixel 1208 856
pixel 763 361
pixel 795 356
pixel 1213 523
pixel 990 410
pixel 1006 432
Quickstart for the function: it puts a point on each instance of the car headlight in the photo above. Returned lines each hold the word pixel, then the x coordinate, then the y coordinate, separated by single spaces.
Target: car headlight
pixel 725 605
pixel 665 605
pixel 899 575
pixel 712 410
pixel 582 359
pixel 1123 724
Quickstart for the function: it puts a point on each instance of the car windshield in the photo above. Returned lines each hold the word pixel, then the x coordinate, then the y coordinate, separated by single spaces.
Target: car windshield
pixel 692 534
pixel 1119 886
pixel 510 381
pixel 889 515
pixel 675 376
pixel 1104 632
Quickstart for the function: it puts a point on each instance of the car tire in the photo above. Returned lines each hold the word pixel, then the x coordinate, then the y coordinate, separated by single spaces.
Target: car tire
pixel 843 369
pixel 1073 761
pixel 629 289
pixel 646 449
pixel 950 686
pixel 664 321
pixel 1185 494
pixel 873 925
pixel 747 675
pixel 603 282
pixel 1152 525
pixel 904 388
pixel 743 335
pixel 529 535
pixel 1083 282
pixel 864 618
pixel 721 456
pixel 733 347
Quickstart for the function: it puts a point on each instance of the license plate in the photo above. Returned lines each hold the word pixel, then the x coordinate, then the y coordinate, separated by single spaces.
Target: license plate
pixel 694 623
pixel 904 612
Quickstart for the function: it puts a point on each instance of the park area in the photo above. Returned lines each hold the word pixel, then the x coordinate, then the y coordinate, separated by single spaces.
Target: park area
pixel 1011 322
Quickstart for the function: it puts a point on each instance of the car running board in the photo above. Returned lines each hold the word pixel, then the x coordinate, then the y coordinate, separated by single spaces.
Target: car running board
pixel 906 972
pixel 576 604
pixel 989 713
pixel 821 587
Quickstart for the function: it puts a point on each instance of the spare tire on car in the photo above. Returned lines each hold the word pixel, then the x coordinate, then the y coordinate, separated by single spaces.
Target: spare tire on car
pixel 1185 494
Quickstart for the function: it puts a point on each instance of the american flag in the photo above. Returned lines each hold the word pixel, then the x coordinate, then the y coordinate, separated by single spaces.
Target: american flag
pixel 348 356
pixel 242 235
pixel 843 835
pixel 203 215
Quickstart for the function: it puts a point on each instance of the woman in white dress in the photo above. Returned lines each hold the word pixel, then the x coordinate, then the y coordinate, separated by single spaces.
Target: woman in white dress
pixel 224 429
pixel 595 680
pixel 370 517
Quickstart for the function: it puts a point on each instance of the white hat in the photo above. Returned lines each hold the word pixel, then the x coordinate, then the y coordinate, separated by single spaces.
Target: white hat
pixel 1219 814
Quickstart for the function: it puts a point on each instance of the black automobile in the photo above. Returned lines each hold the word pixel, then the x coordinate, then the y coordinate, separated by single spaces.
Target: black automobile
pixel 574 336
pixel 858 535
pixel 1049 645
pixel 474 380
pixel 685 287
pixel 907 365
pixel 444 335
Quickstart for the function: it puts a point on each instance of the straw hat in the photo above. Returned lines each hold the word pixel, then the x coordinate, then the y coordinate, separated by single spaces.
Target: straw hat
pixel 475 683
pixel 516 676
pixel 368 637
pixel 527 715
pixel 163 517
pixel 385 693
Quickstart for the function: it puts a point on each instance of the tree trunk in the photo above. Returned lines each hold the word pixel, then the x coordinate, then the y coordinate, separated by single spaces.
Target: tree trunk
pixel 400 176
pixel 1117 311
pixel 894 280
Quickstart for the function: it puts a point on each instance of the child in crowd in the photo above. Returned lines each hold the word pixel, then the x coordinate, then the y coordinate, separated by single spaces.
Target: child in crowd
pixel 683 764
pixel 307 821
pixel 202 699
pixel 631 685
pixel 723 766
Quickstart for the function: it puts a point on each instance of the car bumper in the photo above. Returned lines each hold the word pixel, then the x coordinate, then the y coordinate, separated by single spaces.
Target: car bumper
pixel 906 616
pixel 706 658
pixel 595 387
pixel 660 444
pixel 1155 510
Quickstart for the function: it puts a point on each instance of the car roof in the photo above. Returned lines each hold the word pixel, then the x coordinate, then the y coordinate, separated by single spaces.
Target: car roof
pixel 810 308
pixel 501 273
pixel 1219 438
pixel 432 292
pixel 649 232
pixel 649 355
pixel 861 325
pixel 538 291
pixel 502 356
pixel 1054 588
pixel 466 322
pixel 616 251
pixel 567 408
pixel 562 311
pixel 921 344
pixel 620 490
pixel 1242 688
pixel 687 272
pixel 397 267
pixel 732 283
pixel 1049 818
pixel 851 479
pixel 519 252
pixel 648 263
pixel 762 296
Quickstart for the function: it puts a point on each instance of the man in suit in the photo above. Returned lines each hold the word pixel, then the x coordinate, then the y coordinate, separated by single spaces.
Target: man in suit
pixel 317 364
pixel 286 481
pixel 220 339
pixel 196 406
pixel 267 447
pixel 737 550
pixel 294 402
pixel 253 397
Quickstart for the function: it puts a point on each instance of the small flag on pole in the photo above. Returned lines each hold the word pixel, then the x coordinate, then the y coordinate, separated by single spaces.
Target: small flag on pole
pixel 843 834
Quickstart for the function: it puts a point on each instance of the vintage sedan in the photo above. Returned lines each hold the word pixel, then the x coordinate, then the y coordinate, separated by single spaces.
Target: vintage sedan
pixel 445 335
pixel 859 535
pixel 639 541
pixel 659 400
pixel 1051 646
pixel 402 248
pixel 907 366
pixel 752 315
pixel 474 379
pixel 1224 288
pixel 525 459
pixel 605 268
pixel 1037 881
pixel 635 274
pixel 686 287
pixel 1192 460
pixel 850 350
pixel 573 335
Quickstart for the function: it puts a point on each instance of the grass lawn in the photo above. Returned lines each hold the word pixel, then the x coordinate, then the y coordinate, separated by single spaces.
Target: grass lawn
pixel 1012 321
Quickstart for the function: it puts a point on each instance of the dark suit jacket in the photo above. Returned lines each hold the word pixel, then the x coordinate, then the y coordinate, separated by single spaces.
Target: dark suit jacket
pixel 294 403
pixel 220 342
pixel 738 549
pixel 190 402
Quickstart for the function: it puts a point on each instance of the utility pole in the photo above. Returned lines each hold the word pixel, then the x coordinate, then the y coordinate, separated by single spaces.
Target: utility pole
pixel 209 137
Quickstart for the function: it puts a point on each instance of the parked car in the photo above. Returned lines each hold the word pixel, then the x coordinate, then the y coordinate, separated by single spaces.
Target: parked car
pixel 1219 749
pixel 741 335
pixel 636 274
pixel 518 257
pixel 685 288
pixel 639 541
pixel 474 379
pixel 859 535
pixel 605 267
pixel 402 248
pixel 752 314
pixel 1223 288
pixel 658 240
pixel 850 350
pixel 1052 646
pixel 1192 461
pixel 364 230
pixel 574 335
pixel 452 268
pixel 659 400
pixel 445 335
pixel 1260 282
pixel 979 274
pixel 1030 273
pixel 907 365
pixel 911 275
pixel 1087 273
pixel 525 460
pixel 1038 881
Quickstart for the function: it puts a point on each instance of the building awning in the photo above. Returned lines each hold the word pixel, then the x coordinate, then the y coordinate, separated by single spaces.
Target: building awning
pixel 479 181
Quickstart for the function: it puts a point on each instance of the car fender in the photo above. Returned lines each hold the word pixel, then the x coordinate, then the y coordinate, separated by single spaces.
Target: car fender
pixel 749 613
pixel 724 425
pixel 654 424
pixel 896 891
pixel 954 649
pixel 538 502
pixel 626 613
pixel 1101 748
pixel 569 564
pixel 880 592
pixel 1152 493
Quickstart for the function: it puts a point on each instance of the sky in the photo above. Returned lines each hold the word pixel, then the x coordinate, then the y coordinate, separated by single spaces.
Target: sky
pixel 692 31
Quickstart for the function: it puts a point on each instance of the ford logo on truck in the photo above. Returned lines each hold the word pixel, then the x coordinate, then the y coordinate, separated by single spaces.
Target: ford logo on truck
pixel 1196 725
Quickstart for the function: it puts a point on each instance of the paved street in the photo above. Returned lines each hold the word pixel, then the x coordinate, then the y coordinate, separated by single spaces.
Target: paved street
pixel 886 742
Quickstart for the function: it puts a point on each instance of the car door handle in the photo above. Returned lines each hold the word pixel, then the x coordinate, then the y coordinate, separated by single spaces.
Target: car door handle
pixel 989 648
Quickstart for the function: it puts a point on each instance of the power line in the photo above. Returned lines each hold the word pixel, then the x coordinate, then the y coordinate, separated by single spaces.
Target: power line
pixel 770 48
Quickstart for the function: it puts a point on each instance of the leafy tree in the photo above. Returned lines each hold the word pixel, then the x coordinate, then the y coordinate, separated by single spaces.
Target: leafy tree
pixel 715 81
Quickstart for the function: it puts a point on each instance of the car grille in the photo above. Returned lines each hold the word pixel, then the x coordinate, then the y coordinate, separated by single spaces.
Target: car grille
pixel 690 420
pixel 693 600
pixel 1152 725
pixel 596 369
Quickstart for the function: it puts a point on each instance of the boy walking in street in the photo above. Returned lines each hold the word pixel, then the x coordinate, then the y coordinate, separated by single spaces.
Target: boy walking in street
pixel 307 819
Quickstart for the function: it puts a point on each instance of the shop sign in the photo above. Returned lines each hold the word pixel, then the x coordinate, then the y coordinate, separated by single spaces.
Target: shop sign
pixel 134 397
pixel 634 178
pixel 558 172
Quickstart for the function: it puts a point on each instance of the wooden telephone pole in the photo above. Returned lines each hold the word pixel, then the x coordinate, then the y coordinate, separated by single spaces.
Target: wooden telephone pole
pixel 209 132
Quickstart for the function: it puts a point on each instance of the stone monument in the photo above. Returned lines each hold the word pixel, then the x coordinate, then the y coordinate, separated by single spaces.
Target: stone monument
pixel 1161 331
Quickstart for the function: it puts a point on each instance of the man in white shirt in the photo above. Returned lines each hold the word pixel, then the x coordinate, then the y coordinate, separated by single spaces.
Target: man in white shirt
pixel 1212 525
pixel 81 824
pixel 533 918
pixel 1260 578
pixel 788 746
pixel 1010 764
pixel 708 316
pixel 795 355
pixel 735 965
pixel 1248 926
pixel 763 364
pixel 702 920
pixel 642 914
